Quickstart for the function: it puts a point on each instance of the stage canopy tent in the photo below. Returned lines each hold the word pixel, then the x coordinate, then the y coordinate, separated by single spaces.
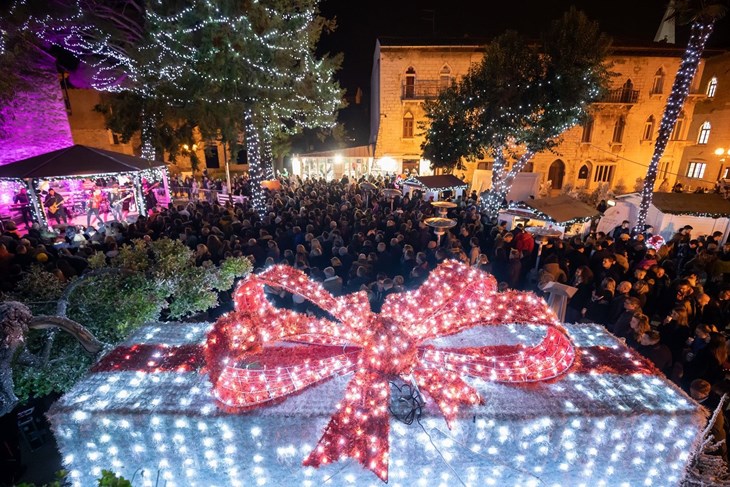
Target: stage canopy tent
pixel 79 162
pixel 75 161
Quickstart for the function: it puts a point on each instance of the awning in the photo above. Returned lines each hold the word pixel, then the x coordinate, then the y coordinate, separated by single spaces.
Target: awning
pixel 694 204
pixel 443 182
pixel 77 160
pixel 563 208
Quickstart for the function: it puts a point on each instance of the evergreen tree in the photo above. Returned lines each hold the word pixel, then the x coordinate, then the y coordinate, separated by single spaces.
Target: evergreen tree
pixel 224 66
pixel 519 100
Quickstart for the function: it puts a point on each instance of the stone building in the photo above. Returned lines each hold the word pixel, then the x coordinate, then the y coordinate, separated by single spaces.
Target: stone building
pixel 706 158
pixel 88 128
pixel 615 147
pixel 87 124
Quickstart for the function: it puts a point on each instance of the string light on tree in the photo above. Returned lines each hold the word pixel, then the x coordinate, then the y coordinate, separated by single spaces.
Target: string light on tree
pixel 518 101
pixel 700 30
pixel 209 61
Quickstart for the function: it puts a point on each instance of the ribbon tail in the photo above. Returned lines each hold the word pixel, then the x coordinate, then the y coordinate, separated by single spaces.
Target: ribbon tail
pixel 359 429
pixel 448 390
pixel 551 358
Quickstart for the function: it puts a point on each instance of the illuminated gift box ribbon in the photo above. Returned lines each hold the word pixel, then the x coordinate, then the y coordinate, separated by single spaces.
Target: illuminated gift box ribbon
pixel 378 348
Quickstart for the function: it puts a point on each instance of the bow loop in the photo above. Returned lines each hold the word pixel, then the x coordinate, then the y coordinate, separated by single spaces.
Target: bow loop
pixel 378 348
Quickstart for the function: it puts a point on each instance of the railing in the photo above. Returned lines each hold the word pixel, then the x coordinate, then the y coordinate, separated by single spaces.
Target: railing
pixel 421 89
pixel 181 194
pixel 620 95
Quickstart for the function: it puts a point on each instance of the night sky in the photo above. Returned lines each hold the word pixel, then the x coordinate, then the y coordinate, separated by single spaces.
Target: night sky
pixel 360 23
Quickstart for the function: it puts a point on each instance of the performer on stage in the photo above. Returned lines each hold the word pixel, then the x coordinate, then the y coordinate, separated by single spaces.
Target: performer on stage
pixel 119 204
pixel 22 203
pixel 54 207
pixel 93 207
pixel 150 200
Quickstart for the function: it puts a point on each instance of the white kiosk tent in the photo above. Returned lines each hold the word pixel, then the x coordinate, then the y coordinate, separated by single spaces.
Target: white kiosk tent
pixel 63 168
pixel 563 213
pixel 706 213
pixel 434 186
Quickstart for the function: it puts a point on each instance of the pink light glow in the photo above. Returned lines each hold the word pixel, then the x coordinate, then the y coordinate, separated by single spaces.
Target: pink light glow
pixel 34 122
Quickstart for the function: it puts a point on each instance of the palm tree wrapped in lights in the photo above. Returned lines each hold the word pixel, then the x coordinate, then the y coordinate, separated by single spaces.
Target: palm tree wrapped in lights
pixel 702 15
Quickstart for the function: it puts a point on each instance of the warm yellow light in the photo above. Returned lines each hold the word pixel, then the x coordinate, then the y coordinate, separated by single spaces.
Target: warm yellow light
pixel 338 158
pixel 387 164
pixel 719 151
pixel 186 147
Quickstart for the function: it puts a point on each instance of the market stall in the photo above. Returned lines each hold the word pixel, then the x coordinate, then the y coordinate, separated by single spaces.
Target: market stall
pixel 706 213
pixel 563 213
pixel 436 187
pixel 79 181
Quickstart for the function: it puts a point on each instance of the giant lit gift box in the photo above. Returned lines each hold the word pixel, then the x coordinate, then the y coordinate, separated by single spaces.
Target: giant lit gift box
pixel 495 404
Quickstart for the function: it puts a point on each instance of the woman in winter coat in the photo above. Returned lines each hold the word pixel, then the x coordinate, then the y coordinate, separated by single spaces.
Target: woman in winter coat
pixel 583 280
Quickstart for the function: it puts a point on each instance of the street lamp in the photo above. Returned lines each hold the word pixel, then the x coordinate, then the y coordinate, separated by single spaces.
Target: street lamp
pixel 391 194
pixel 367 187
pixel 440 225
pixel 443 207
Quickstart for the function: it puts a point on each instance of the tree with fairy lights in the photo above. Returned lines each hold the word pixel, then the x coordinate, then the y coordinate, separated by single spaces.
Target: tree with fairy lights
pixel 518 101
pixel 701 15
pixel 222 67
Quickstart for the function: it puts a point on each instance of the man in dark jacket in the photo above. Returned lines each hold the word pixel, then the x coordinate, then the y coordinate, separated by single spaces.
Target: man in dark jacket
pixel 657 352
pixel 622 326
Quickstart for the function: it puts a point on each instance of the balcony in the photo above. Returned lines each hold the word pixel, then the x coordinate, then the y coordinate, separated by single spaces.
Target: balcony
pixel 425 89
pixel 620 95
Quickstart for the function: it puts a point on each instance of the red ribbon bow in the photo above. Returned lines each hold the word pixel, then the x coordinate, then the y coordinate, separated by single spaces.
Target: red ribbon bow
pixel 247 371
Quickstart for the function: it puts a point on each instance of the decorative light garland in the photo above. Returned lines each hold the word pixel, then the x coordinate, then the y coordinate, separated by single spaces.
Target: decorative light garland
pixel 539 215
pixel 377 348
pixel 414 181
pixel 700 32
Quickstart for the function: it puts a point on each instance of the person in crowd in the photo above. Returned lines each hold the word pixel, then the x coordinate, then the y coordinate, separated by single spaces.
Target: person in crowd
pixel 622 326
pixel 675 331
pixel 332 282
pixel 701 391
pixel 657 352
pixel 583 281
pixel 708 363
pixel 639 325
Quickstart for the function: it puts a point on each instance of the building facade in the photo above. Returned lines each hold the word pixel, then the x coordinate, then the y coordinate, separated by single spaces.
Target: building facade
pixel 614 147
pixel 88 126
pixel 706 158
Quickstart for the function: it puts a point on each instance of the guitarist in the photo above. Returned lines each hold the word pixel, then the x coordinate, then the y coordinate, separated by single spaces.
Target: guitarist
pixel 118 204
pixel 54 207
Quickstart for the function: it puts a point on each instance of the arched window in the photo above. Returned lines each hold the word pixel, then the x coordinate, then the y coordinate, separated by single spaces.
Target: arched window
pixel 556 173
pixel 587 130
pixel 648 128
pixel 704 134
pixel 409 90
pixel 658 85
pixel 712 87
pixel 445 78
pixel 584 172
pixel 408 125
pixel 678 127
pixel 618 130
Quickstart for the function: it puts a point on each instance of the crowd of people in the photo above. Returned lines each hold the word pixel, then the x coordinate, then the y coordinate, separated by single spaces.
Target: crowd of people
pixel 671 304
